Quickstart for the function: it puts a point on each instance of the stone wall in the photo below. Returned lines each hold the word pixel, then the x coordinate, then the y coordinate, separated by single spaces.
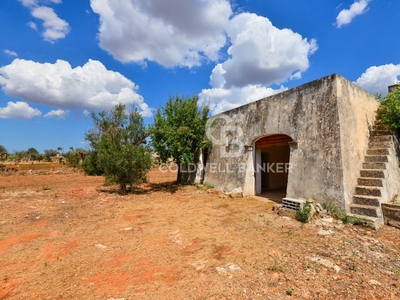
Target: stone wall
pixel 327 119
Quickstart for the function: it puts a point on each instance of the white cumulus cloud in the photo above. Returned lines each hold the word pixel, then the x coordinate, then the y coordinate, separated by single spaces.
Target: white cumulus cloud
pixel 260 55
pixel 32 25
pixel 90 86
pixel 9 52
pixel 347 15
pixel 169 32
pixel 54 27
pixel 58 114
pixel 263 54
pixel 376 79
pixel 18 110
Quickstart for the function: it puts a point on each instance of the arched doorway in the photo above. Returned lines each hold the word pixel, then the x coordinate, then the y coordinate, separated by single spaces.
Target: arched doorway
pixel 272 164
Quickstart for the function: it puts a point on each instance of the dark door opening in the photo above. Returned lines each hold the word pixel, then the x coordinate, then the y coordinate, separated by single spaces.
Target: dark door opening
pixel 272 166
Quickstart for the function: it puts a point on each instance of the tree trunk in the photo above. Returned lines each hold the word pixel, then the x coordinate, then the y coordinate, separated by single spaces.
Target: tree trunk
pixel 122 186
pixel 179 175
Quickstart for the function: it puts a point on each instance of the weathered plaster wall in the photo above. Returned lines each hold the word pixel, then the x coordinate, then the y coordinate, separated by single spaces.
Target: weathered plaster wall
pixel 328 118
pixel 356 110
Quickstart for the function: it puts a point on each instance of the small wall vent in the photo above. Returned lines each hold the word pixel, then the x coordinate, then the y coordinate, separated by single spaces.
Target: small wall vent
pixel 292 204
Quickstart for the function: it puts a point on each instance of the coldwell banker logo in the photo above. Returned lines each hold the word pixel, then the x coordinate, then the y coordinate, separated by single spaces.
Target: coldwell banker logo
pixel 229 138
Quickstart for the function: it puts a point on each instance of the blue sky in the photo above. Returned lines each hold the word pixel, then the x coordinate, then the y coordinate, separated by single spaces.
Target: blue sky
pixel 61 59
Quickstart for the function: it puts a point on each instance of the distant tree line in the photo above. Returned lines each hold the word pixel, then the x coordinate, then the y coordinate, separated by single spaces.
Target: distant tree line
pixel 73 157
pixel 122 148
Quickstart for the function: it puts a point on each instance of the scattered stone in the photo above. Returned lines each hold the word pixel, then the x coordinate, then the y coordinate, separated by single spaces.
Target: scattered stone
pixel 199 264
pixel 222 196
pixel 229 268
pixel 100 246
pixel 319 209
pixel 376 254
pixel 327 220
pixel 389 272
pixel 176 237
pixel 126 228
pixel 233 268
pixel 277 207
pixel 325 232
pixel 325 262
pixel 286 218
pixel 312 210
pixel 374 282
pixel 236 195
pixel 220 270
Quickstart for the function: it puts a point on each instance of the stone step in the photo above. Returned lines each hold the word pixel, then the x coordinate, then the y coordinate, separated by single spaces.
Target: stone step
pixel 371 222
pixel 364 181
pixel 375 158
pixel 366 200
pixel 365 210
pixel 381 138
pixel 379 145
pixel 380 132
pixel 378 126
pixel 391 214
pixel 368 190
pixel 383 151
pixel 373 173
pixel 374 166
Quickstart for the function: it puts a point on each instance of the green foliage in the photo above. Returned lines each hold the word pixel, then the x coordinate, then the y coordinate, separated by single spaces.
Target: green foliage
pixel 3 150
pixel 118 143
pixel 335 211
pixel 3 153
pixel 290 291
pixel 90 164
pixel 48 154
pixel 179 133
pixel 388 112
pixel 32 154
pixel 304 213
pixel 74 157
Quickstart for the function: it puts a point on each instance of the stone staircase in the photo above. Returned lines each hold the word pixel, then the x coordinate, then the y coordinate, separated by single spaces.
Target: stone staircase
pixel 370 190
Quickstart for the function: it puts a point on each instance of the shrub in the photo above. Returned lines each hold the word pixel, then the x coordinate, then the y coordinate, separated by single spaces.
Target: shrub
pixel 388 112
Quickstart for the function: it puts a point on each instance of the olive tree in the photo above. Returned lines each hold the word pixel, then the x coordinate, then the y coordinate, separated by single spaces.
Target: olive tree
pixel 118 141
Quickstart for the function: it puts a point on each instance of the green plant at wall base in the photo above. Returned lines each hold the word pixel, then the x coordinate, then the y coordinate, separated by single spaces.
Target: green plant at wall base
pixel 335 211
pixel 304 213
pixel 290 291
pixel 388 112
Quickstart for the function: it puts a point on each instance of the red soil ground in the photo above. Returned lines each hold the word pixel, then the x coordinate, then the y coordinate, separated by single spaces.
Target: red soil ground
pixel 64 236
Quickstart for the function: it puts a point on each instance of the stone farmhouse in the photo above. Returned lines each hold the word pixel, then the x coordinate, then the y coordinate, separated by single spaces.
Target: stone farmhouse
pixel 319 140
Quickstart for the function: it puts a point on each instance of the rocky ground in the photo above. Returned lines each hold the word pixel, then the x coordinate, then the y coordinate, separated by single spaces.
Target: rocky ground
pixel 65 236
